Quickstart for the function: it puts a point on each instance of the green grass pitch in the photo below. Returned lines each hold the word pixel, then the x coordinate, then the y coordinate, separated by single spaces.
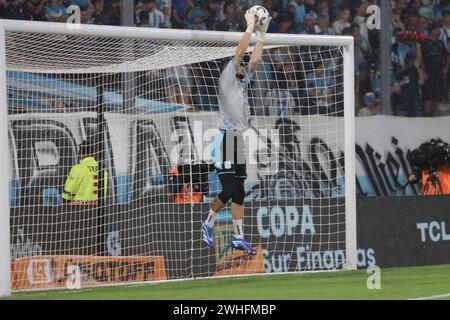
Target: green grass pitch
pixel 396 283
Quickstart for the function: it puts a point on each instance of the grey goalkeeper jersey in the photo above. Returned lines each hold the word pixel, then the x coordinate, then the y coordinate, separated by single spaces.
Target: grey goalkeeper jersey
pixel 234 109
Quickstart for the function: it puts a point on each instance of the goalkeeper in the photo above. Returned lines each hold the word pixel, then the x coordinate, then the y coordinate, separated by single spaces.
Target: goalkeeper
pixel 234 117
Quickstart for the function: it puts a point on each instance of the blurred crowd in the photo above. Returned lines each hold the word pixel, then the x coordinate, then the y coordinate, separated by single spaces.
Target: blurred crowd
pixel 105 12
pixel 420 32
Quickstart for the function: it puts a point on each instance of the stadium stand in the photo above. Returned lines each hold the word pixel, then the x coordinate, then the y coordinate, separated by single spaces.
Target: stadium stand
pixel 420 39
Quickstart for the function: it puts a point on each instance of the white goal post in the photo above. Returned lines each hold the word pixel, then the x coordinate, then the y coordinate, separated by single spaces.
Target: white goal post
pixel 215 45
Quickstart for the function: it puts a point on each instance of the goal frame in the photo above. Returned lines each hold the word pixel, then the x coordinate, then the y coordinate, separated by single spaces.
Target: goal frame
pixel 346 42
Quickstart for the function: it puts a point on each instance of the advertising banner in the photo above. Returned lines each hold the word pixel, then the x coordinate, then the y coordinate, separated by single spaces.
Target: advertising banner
pixel 238 263
pixel 284 156
pixel 165 242
pixel 401 232
pixel 67 271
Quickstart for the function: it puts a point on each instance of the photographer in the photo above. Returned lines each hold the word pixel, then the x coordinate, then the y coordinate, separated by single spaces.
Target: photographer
pixel 431 165
pixel 189 182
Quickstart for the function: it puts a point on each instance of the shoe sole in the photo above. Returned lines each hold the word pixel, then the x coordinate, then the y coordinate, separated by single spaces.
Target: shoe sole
pixel 245 251
pixel 208 245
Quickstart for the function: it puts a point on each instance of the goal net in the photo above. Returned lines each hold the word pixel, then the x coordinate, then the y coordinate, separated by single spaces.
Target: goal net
pixel 145 105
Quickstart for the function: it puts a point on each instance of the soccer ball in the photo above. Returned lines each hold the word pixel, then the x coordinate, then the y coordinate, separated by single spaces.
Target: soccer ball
pixel 261 15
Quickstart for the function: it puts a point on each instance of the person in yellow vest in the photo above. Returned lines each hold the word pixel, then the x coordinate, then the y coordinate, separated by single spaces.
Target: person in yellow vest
pixel 81 187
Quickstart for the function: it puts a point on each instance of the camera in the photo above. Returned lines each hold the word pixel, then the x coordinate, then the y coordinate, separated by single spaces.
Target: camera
pixel 195 174
pixel 431 155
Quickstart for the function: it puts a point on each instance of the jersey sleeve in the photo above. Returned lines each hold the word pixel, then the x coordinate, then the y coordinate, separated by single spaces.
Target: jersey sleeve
pixel 232 65
pixel 72 183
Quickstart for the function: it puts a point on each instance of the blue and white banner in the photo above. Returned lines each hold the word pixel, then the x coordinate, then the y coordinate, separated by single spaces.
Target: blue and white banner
pixel 286 157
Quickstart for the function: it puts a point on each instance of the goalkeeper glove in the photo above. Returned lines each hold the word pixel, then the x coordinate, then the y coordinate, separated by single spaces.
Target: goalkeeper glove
pixel 262 30
pixel 251 21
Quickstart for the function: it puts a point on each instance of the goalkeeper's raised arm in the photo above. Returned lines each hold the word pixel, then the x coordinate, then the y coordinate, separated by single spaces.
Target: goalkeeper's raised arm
pixel 260 30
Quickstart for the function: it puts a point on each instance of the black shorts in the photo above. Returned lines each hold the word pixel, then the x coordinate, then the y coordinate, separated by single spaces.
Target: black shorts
pixel 228 153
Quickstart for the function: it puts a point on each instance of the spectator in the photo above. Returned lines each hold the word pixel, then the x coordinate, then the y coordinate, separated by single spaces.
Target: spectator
pixel 375 79
pixel 362 48
pixel 206 83
pixel 180 13
pixel 322 27
pixel 55 11
pixel 279 101
pixel 357 89
pixel 261 84
pixel 280 57
pixel 212 13
pixel 322 9
pixel 245 4
pixel 310 24
pixel 86 7
pixel 162 4
pixel 167 12
pixel 361 20
pixel 342 22
pixel 409 100
pixel 412 22
pixel 2 8
pixel 399 51
pixel 228 22
pixel 427 13
pixel 98 16
pixel 149 16
pixel 317 86
pixel 298 9
pixel 282 6
pixel 196 21
pixel 16 10
pixel 179 84
pixel 360 65
pixel 335 9
pixel 269 5
pixel 425 20
pixel 285 23
pixel 440 8
pixel 36 8
pixel 112 15
pixel 434 57
pixel 371 106
pixel 396 22
pixel 83 4
pixel 445 32
pixel 413 7
pixel 445 38
pixel 293 78
pixel 400 6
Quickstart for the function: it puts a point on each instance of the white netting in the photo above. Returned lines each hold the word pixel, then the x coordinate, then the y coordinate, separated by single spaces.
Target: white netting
pixel 147 108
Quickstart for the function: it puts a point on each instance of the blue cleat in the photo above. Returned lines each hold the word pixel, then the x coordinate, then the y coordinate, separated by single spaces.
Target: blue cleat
pixel 208 235
pixel 242 245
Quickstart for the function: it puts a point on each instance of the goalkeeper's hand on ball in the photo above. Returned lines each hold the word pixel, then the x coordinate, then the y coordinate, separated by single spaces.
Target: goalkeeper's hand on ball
pixel 261 30
pixel 250 17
